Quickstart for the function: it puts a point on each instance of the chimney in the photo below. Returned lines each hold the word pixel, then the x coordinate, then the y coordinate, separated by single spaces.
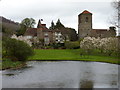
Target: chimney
pixel 112 28
pixel 44 25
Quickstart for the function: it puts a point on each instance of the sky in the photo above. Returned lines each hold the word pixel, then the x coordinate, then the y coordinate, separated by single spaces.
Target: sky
pixel 65 10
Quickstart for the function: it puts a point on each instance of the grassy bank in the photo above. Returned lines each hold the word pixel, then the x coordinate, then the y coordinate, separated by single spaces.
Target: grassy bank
pixel 60 55
pixel 71 54
pixel 8 64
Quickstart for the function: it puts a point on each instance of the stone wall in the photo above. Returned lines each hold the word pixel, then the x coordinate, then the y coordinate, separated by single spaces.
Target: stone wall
pixel 84 24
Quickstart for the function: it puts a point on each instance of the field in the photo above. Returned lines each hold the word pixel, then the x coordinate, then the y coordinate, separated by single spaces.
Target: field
pixel 71 54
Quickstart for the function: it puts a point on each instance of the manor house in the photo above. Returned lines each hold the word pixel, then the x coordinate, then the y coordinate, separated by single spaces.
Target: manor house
pixel 85 27
pixel 66 34
pixel 46 35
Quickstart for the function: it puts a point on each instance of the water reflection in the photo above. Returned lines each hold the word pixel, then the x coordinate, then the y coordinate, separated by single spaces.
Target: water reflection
pixel 69 74
pixel 86 84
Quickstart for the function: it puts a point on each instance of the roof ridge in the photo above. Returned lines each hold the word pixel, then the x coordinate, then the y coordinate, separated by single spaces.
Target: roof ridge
pixel 86 11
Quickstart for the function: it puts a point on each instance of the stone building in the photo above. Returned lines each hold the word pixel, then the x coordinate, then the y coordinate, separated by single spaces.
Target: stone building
pixel 44 34
pixel 84 24
pixel 85 27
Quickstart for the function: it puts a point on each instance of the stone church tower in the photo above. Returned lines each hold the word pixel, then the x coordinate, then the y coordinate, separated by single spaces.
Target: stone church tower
pixel 84 24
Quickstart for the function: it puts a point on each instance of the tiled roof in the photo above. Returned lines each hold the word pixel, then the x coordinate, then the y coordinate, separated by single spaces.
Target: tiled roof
pixel 31 31
pixel 85 12
pixel 99 30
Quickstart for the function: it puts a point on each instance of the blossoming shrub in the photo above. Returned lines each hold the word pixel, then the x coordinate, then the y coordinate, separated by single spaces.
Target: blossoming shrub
pixel 87 45
pixel 22 38
pixel 109 45
pixel 105 45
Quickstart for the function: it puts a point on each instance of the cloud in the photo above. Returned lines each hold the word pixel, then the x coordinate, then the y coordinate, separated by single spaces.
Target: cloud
pixel 48 10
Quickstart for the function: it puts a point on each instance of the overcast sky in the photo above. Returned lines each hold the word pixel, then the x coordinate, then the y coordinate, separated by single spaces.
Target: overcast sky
pixel 66 10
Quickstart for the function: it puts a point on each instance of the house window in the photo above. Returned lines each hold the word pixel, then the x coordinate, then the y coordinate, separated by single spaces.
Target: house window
pixel 56 36
pixel 86 19
pixel 60 36
pixel 46 40
pixel 46 34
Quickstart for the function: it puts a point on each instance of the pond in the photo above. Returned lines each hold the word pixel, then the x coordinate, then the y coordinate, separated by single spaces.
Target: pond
pixel 62 74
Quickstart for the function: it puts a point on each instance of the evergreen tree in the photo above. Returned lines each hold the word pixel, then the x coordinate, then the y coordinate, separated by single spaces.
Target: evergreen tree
pixel 59 24
pixel 52 27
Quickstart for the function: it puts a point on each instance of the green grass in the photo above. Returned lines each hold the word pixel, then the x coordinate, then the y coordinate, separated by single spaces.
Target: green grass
pixel 8 64
pixel 60 54
pixel 71 54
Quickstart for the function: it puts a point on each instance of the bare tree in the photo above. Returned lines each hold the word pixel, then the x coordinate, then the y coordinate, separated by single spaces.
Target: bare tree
pixel 116 6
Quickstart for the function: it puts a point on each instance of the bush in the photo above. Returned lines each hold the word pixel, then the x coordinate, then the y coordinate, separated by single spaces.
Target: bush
pixel 72 45
pixel 15 49
pixel 87 45
pixel 105 45
pixel 57 45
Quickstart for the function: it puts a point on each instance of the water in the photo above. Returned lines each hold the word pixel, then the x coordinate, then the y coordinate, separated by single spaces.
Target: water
pixel 63 74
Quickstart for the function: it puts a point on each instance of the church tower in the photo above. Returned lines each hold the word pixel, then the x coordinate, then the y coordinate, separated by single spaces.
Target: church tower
pixel 84 24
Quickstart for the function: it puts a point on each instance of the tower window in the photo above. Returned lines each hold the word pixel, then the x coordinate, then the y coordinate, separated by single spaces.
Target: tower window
pixel 86 19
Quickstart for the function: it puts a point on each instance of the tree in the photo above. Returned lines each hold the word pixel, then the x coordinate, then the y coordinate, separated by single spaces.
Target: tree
pixel 15 49
pixel 105 45
pixel 68 33
pixel 52 26
pixel 59 25
pixel 22 38
pixel 26 23
pixel 72 34
pixel 22 30
pixel 116 6
pixel 87 45
pixel 109 45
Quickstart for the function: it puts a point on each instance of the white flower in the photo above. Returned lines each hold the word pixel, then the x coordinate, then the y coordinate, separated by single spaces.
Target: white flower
pixel 108 45
pixel 22 38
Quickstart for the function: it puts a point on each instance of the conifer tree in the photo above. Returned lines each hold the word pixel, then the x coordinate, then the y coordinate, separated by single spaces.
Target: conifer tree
pixel 59 24
pixel 52 27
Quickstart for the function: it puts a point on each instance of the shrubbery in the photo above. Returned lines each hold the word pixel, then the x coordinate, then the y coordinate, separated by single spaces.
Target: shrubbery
pixel 16 49
pixel 22 38
pixel 105 45
pixel 72 45
pixel 57 45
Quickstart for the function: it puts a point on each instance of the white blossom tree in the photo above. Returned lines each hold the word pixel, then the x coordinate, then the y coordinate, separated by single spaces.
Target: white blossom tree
pixel 109 45
pixel 22 38
pixel 105 45
pixel 87 45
